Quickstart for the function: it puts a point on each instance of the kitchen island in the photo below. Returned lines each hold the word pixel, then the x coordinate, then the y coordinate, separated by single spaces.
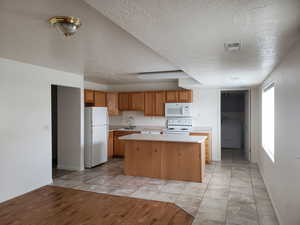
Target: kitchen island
pixel 165 156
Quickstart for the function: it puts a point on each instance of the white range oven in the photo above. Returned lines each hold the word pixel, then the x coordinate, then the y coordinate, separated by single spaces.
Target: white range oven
pixel 179 125
pixel 178 109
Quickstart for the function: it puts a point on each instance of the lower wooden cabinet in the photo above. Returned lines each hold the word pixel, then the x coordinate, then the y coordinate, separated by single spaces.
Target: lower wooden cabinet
pixel 110 152
pixel 164 160
pixel 119 145
pixel 207 144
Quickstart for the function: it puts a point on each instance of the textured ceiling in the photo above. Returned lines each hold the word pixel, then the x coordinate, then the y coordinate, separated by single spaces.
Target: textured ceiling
pixel 191 34
pixel 101 50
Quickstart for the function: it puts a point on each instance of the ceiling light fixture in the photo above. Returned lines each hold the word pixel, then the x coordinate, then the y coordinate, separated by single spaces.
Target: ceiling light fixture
pixel 162 75
pixel 68 25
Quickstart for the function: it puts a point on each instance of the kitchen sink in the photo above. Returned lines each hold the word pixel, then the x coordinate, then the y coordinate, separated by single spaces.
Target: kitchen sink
pixel 128 128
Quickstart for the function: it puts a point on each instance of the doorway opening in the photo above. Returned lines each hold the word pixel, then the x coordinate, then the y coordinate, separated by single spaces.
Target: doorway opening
pixel 66 114
pixel 235 125
pixel 54 125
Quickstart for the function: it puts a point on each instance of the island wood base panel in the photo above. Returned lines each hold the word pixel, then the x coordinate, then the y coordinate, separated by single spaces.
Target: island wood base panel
pixel 165 160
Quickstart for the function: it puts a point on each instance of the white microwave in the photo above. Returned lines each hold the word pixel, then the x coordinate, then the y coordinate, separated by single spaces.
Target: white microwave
pixel 178 109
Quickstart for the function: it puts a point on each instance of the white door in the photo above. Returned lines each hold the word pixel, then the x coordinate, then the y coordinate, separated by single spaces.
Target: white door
pixel 99 144
pixel 99 116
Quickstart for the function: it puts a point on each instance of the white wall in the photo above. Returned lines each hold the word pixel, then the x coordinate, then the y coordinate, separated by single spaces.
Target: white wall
pixel 25 131
pixel 69 130
pixel 282 177
pixel 206 113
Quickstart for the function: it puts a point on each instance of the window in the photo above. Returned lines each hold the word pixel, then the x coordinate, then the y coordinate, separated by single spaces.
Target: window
pixel 268 113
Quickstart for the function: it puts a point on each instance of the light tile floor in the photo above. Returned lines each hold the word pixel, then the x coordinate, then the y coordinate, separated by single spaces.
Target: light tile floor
pixel 233 192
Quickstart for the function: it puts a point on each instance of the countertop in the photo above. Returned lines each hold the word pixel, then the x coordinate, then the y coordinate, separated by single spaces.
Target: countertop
pixel 164 137
pixel 155 128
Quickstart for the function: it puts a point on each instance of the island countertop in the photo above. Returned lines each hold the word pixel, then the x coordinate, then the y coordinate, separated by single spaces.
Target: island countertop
pixel 164 137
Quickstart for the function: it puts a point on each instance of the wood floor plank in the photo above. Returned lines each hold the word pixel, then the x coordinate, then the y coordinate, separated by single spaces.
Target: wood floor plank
pixel 63 206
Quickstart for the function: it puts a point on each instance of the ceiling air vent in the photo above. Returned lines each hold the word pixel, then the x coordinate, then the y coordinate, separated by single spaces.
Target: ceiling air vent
pixel 232 47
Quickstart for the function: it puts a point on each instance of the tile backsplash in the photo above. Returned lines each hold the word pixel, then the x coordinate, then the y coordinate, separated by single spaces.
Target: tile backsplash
pixel 138 119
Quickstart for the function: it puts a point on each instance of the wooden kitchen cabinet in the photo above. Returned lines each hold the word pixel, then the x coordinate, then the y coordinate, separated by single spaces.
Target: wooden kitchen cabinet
pixel 136 101
pixel 89 97
pixel 144 158
pixel 149 103
pixel 171 96
pixel 160 100
pixel 164 160
pixel 155 103
pixel 119 145
pixel 100 99
pixel 156 156
pixel 124 101
pixel 112 103
pixel 110 152
pixel 207 144
pixel 185 96
pixel 143 154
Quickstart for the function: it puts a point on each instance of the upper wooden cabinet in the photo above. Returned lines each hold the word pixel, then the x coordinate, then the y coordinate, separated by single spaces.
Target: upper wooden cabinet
pixel 136 101
pixel 132 101
pixel 185 96
pixel 155 103
pixel 172 96
pixel 88 97
pixel 152 103
pixel 179 96
pixel 149 103
pixel 112 103
pixel 100 99
pixel 124 101
pixel 160 100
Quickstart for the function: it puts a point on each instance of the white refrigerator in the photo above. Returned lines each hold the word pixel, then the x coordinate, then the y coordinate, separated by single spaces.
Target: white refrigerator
pixel 96 136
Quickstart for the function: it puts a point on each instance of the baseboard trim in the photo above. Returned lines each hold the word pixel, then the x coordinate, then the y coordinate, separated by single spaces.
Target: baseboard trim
pixel 72 168
pixel 271 198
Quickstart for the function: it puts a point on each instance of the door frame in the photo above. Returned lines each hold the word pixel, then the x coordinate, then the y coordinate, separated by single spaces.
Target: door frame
pixel 248 90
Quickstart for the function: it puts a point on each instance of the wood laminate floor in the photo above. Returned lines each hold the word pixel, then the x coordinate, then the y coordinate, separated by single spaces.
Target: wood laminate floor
pixel 63 206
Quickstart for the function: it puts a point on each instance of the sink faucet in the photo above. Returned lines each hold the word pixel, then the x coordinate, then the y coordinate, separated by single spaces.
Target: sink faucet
pixel 130 121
